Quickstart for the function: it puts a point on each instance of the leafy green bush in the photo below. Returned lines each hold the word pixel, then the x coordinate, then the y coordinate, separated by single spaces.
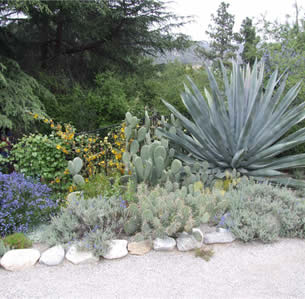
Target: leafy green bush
pixel 100 184
pixel 264 212
pixel 36 156
pixel 89 223
pixel 158 213
pixel 17 241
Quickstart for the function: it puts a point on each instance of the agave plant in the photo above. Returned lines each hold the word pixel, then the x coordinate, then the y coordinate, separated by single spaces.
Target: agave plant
pixel 243 126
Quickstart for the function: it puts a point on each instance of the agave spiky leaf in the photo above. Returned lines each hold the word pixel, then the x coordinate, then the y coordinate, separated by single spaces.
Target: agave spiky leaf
pixel 242 128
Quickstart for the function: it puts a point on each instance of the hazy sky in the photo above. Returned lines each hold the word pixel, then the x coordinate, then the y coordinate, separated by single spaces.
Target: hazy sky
pixel 202 10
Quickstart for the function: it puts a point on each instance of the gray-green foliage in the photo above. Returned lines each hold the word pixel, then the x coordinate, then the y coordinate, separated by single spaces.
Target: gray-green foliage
pixel 3 248
pixel 88 223
pixel 147 159
pixel 75 167
pixel 242 127
pixel 264 212
pixel 160 213
pixel 150 158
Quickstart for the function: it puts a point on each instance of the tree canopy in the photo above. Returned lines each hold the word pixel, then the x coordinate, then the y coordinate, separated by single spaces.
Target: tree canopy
pixel 84 37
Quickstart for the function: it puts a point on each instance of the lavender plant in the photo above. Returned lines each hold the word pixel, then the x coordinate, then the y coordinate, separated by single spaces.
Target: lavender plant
pixel 88 223
pixel 23 203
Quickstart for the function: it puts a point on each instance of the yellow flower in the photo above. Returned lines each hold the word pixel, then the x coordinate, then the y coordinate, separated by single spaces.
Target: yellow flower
pixel 52 126
pixel 115 136
pixel 46 121
pixel 35 115
pixel 58 146
pixel 85 150
pixel 122 130
pixel 77 150
pixel 57 180
pixel 66 171
pixel 86 180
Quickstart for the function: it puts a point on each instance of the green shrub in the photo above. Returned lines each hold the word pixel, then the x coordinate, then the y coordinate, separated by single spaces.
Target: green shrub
pixel 36 156
pixel 158 213
pixel 17 241
pixel 89 223
pixel 264 212
pixel 100 184
pixel 3 248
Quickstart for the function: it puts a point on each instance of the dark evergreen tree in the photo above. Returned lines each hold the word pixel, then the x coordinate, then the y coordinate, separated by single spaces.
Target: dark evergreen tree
pixel 83 37
pixel 221 34
pixel 249 39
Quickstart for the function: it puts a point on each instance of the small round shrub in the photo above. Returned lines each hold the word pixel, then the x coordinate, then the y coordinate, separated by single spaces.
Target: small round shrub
pixel 260 211
pixel 89 223
pixel 17 241
pixel 36 156
pixel 23 203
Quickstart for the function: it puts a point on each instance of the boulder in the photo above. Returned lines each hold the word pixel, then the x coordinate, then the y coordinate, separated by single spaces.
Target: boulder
pixel 19 259
pixel 117 249
pixel 220 236
pixel 76 256
pixel 165 244
pixel 53 256
pixel 139 248
pixel 186 242
pixel 205 228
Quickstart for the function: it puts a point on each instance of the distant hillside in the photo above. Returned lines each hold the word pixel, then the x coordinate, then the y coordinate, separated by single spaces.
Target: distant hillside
pixel 187 57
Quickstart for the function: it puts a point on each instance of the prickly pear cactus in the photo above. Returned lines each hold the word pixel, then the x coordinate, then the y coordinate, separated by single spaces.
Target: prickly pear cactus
pixel 149 157
pixel 75 167
pixel 159 212
pixel 146 158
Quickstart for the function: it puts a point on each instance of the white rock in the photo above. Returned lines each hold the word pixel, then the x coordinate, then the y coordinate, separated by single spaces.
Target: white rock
pixel 197 233
pixel 205 228
pixel 186 242
pixel 117 249
pixel 165 244
pixel 53 256
pixel 221 236
pixel 139 248
pixel 76 256
pixel 19 259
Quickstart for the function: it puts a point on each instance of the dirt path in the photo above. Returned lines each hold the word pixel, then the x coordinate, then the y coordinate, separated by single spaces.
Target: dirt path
pixel 235 271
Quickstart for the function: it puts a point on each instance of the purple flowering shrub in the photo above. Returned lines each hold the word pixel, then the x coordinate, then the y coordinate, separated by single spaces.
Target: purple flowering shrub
pixel 23 203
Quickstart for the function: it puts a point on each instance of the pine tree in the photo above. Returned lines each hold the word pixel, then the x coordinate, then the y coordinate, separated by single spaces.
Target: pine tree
pixel 249 40
pixel 221 35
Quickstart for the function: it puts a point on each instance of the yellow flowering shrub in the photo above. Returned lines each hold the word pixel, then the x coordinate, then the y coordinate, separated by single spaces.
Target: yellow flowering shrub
pixel 99 154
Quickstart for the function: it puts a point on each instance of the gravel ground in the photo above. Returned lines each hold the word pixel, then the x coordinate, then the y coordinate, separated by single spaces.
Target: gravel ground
pixel 236 270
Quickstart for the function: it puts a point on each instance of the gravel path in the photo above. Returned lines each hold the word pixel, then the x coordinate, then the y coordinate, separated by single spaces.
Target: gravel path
pixel 235 271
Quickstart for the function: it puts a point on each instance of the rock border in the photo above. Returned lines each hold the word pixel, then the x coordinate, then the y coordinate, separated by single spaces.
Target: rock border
pixel 20 259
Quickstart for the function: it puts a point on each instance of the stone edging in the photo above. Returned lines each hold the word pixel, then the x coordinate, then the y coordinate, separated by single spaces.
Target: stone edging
pixel 19 259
